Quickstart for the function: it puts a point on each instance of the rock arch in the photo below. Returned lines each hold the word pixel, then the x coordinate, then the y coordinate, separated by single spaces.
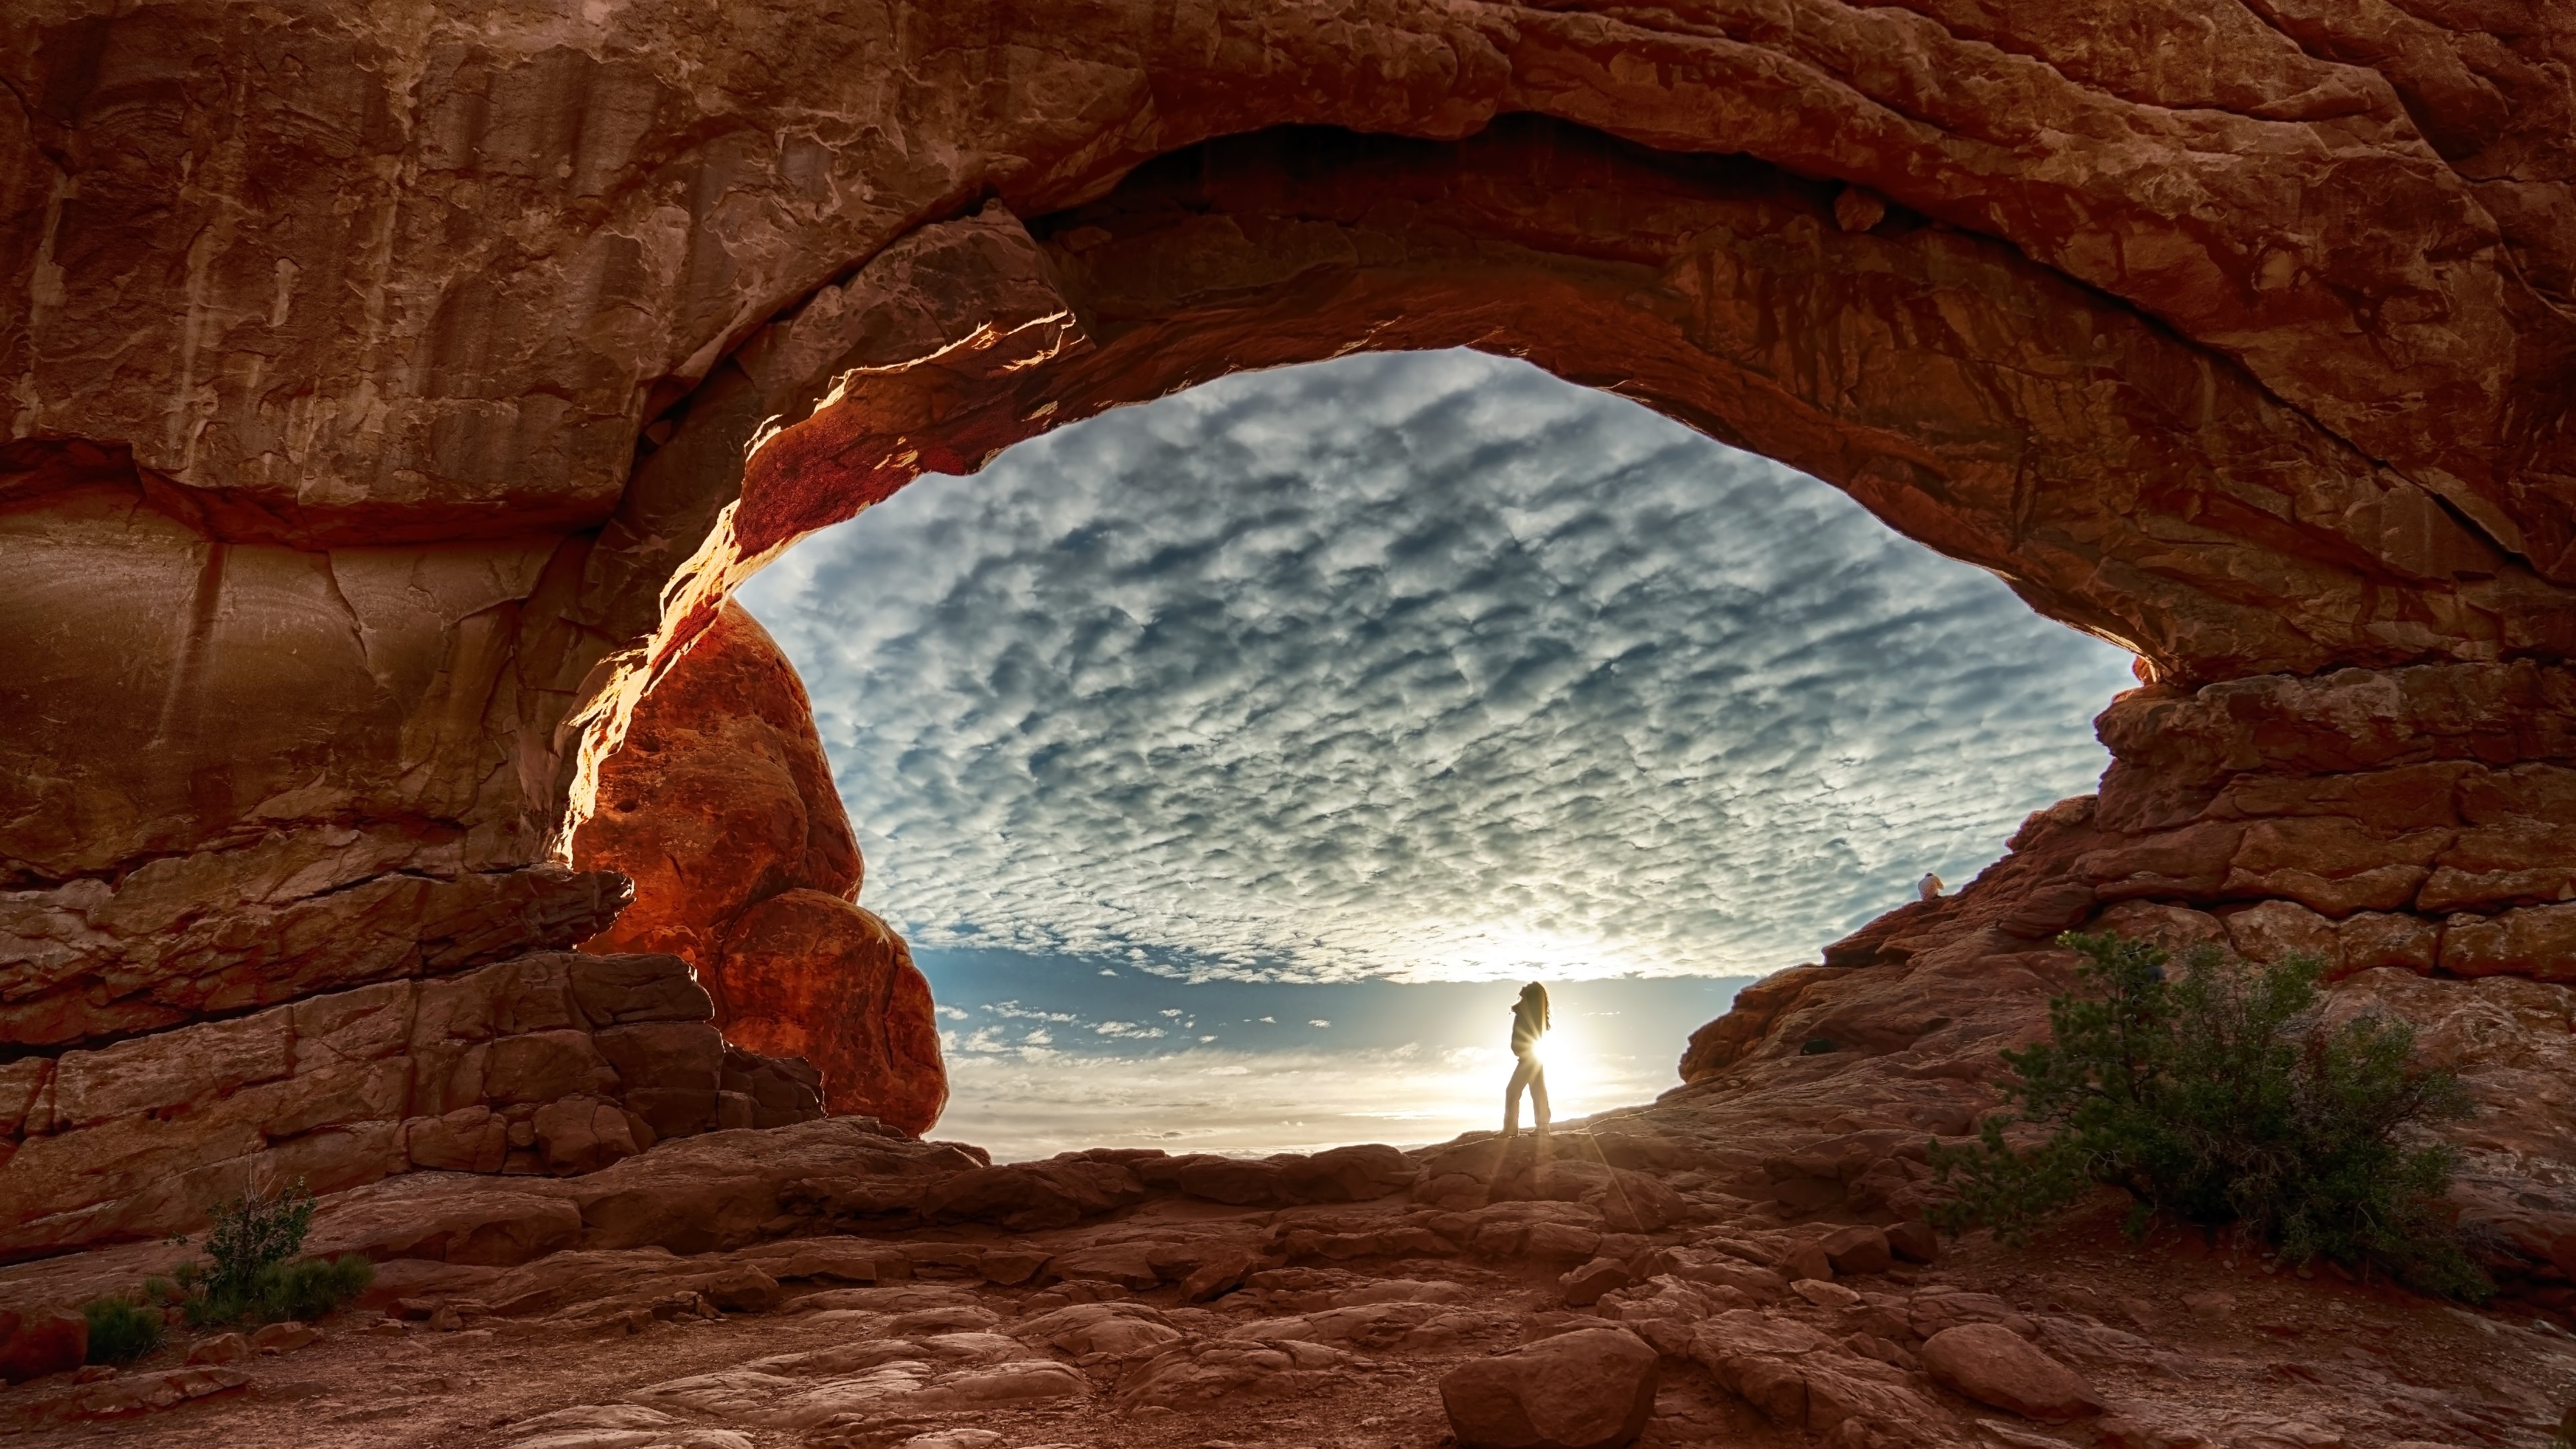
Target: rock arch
pixel 380 390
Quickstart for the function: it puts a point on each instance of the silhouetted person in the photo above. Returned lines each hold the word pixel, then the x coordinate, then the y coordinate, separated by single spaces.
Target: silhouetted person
pixel 1529 1023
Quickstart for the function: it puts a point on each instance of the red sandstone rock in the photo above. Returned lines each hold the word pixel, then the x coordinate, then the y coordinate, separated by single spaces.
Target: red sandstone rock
pixel 2534 941
pixel 1993 1365
pixel 295 688
pixel 39 1341
pixel 1584 1285
pixel 720 805
pixel 133 1393
pixel 719 798
pixel 560 1062
pixel 1914 1241
pixel 1861 1249
pixel 1721 1043
pixel 219 1348
pixel 2136 379
pixel 809 975
pixel 1590 1389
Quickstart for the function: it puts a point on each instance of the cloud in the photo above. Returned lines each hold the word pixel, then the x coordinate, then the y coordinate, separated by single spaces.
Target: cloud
pixel 1419 665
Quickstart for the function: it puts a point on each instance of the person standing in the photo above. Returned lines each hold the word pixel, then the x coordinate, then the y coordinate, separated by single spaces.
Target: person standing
pixel 1529 1023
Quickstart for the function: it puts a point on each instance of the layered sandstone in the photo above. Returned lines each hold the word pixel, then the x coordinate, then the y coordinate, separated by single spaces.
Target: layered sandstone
pixel 809 975
pixel 2360 817
pixel 395 395
pixel 719 798
pixel 557 1063
pixel 719 805
pixel 345 530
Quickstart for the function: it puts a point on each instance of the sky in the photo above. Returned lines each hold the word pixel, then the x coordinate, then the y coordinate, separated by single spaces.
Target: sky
pixel 1372 679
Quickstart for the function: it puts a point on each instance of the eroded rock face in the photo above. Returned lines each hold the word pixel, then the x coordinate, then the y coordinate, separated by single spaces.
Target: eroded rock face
pixel 2410 827
pixel 552 1064
pixel 810 975
pixel 720 798
pixel 367 455
pixel 720 806
pixel 343 534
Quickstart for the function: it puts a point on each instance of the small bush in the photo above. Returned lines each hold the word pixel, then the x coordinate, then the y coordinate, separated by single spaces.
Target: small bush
pixel 120 1329
pixel 248 1273
pixel 2216 1098
pixel 304 1290
pixel 251 1234
pixel 314 1287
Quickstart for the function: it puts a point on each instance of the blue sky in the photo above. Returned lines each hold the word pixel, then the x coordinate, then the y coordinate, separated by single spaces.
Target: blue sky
pixel 1408 668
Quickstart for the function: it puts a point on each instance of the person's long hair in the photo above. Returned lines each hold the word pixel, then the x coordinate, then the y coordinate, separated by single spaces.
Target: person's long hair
pixel 1538 993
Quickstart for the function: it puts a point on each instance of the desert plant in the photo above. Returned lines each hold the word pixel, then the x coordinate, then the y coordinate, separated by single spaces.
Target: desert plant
pixel 252 1233
pixel 120 1329
pixel 250 1270
pixel 313 1287
pixel 2214 1096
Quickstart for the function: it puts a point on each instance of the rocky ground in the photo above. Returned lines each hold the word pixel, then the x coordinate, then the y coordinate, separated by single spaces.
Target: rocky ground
pixel 1117 1298
pixel 1743 1261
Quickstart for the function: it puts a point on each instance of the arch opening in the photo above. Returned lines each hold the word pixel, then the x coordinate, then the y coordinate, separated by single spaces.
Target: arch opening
pixel 1249 705
pixel 2116 477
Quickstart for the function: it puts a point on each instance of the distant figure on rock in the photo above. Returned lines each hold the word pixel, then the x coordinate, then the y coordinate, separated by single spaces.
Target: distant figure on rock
pixel 1529 1023
pixel 1928 888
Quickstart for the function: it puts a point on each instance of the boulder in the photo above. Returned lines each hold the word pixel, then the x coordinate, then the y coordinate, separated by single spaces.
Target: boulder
pixel 1993 1365
pixel 1196 1374
pixel 1807 1260
pixel 1584 1286
pixel 720 806
pixel 1356 1173
pixel 1589 1389
pixel 35 1342
pixel 128 1394
pixel 1124 1329
pixel 447 1218
pixel 1861 1249
pixel 220 1348
pixel 1914 1241
pixel 284 1337
pixel 807 974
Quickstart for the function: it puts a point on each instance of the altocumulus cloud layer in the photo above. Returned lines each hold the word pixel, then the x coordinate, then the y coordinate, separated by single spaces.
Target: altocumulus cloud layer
pixel 1423 665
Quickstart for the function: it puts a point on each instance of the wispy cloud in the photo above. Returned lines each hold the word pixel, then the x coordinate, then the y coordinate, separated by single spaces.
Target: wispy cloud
pixel 1422 665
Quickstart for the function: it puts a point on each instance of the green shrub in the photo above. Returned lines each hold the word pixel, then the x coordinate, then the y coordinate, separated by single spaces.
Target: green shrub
pixel 248 1272
pixel 314 1287
pixel 120 1329
pixel 306 1289
pixel 251 1234
pixel 2215 1097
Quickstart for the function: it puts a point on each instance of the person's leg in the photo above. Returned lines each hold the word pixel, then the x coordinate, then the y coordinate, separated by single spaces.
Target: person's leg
pixel 1538 1093
pixel 1512 1096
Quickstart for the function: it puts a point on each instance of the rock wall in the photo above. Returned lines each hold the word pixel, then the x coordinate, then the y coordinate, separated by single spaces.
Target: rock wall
pixel 720 806
pixel 367 453
pixel 394 395
pixel 2416 828
pixel 555 1064
pixel 2420 819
